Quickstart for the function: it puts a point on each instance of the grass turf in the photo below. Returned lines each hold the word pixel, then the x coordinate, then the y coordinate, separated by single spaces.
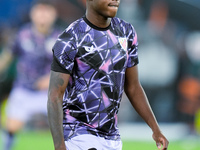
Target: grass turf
pixel 41 140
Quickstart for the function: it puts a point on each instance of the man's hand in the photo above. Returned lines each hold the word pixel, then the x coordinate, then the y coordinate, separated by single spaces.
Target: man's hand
pixel 161 141
pixel 43 82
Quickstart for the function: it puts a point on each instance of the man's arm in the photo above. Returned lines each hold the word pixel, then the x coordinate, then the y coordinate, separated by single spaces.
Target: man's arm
pixel 138 99
pixel 57 87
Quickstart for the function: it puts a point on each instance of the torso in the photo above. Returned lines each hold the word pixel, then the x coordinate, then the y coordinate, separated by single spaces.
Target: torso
pixel 95 89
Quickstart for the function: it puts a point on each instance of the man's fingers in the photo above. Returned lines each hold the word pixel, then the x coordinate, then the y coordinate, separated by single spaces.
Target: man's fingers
pixel 164 143
pixel 158 145
pixel 161 141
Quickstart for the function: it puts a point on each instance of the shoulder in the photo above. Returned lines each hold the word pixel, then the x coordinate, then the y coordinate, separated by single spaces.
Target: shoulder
pixel 123 25
pixel 117 20
pixel 73 30
pixel 23 34
pixel 120 22
pixel 75 26
pixel 25 30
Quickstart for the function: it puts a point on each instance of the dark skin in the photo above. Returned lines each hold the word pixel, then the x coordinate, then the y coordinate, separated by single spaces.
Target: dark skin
pixel 139 101
pixel 100 12
pixel 57 86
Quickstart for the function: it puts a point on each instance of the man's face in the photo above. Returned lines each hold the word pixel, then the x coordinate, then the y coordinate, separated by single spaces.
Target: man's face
pixel 105 8
pixel 43 15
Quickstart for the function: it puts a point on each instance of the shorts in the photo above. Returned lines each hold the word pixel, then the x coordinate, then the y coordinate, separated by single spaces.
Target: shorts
pixel 92 142
pixel 23 103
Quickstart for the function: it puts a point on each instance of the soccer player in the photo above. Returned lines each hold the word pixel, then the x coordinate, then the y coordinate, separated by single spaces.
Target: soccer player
pixel 33 51
pixel 95 60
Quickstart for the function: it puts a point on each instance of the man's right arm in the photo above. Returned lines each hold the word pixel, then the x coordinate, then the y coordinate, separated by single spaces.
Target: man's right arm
pixel 57 87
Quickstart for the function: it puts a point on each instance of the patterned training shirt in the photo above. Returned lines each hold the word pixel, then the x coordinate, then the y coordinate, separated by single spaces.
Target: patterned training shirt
pixel 34 54
pixel 96 58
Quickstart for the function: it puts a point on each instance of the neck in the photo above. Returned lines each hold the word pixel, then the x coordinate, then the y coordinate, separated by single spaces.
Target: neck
pixel 42 30
pixel 98 20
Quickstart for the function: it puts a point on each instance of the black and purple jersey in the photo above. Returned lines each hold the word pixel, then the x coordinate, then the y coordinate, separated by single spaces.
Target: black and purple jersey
pixel 96 58
pixel 34 54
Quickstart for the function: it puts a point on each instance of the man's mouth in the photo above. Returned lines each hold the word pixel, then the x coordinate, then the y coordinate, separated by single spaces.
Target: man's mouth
pixel 114 4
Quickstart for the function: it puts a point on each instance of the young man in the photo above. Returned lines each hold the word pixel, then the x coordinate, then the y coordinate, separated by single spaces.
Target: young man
pixel 32 49
pixel 95 60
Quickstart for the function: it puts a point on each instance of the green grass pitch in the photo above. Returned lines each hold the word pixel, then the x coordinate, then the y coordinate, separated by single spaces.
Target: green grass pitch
pixel 41 140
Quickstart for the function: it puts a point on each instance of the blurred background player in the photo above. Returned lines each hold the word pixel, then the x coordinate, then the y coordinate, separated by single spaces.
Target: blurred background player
pixel 32 49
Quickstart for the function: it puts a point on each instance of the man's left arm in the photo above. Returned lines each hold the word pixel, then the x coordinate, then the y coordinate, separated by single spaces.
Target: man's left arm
pixel 139 101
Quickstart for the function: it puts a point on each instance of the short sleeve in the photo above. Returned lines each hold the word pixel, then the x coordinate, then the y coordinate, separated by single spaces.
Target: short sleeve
pixel 132 48
pixel 64 52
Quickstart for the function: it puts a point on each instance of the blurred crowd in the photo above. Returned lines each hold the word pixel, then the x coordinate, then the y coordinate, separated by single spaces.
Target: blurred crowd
pixel 169 58
pixel 169 53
